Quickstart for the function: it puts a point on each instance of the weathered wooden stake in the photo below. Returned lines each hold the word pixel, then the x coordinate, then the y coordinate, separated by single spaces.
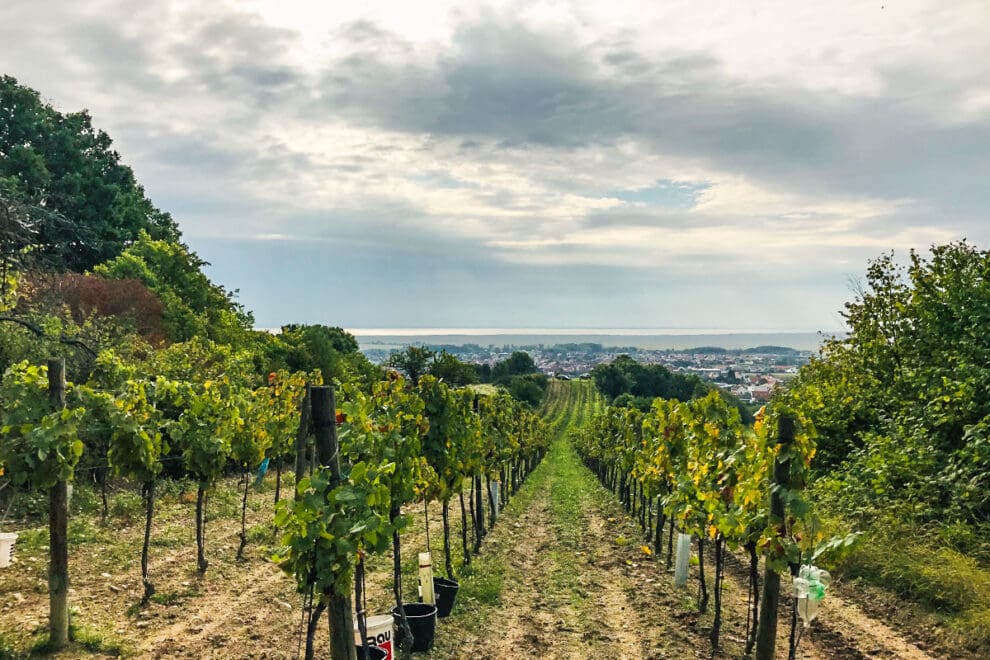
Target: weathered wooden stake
pixel 480 510
pixel 149 494
pixel 766 634
pixel 301 435
pixel 338 607
pixel 201 562
pixel 58 529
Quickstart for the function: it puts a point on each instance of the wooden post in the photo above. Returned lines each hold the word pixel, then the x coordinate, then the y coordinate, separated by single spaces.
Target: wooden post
pixel 338 607
pixel 766 634
pixel 301 436
pixel 58 529
pixel 480 510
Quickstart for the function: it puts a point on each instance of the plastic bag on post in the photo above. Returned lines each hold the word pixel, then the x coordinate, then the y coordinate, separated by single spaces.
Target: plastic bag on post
pixel 809 590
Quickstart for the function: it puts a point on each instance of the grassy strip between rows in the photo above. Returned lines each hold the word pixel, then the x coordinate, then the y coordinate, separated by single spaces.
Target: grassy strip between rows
pixel 560 474
pixel 481 582
pixel 568 503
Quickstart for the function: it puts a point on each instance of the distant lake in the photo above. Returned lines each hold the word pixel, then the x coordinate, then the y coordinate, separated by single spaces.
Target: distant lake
pixel 654 338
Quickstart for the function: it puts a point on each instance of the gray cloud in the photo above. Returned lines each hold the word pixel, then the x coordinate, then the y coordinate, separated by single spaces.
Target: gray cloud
pixel 432 161
pixel 505 84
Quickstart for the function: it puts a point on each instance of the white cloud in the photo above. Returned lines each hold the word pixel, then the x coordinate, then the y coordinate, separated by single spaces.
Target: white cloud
pixel 813 136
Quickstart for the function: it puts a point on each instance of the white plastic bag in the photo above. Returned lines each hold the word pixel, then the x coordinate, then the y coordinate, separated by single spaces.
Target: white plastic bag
pixel 809 589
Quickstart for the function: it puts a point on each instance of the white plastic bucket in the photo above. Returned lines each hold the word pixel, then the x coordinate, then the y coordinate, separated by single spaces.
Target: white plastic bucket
pixel 7 548
pixel 380 633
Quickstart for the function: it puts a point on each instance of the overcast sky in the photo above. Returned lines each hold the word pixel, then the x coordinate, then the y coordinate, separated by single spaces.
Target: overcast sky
pixel 535 164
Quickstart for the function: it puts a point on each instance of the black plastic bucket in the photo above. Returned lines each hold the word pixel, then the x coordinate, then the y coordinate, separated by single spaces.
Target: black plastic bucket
pixel 446 593
pixel 422 620
pixel 374 653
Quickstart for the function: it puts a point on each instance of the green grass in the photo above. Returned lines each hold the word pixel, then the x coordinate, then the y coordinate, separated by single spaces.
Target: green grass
pixel 568 501
pixel 223 501
pixel 939 586
pixel 562 477
pixel 261 534
pixel 172 536
pixel 86 530
pixel 7 649
pixel 124 503
pixel 33 539
pixel 81 639
pixel 95 642
pixel 169 598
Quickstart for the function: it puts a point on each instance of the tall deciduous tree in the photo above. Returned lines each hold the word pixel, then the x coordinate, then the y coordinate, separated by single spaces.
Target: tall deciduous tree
pixel 61 163
pixel 194 306
pixel 412 362
pixel 448 368
pixel 903 402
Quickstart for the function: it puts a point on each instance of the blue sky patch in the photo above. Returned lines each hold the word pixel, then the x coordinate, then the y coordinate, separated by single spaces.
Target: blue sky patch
pixel 672 194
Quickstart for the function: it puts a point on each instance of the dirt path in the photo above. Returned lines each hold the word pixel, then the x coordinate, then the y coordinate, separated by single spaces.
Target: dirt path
pixel 841 630
pixel 846 623
pixel 237 609
pixel 529 622
pixel 561 599
pixel 216 626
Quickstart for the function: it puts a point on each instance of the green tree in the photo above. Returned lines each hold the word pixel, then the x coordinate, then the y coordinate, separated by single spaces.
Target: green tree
pixel 610 380
pixel 199 360
pixel 529 388
pixel 194 306
pixel 413 362
pixel 644 382
pixel 901 402
pixel 61 163
pixel 517 364
pixel 333 351
pixel 448 368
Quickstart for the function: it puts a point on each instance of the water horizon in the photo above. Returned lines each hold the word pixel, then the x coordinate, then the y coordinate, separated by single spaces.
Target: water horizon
pixel 621 332
pixel 639 338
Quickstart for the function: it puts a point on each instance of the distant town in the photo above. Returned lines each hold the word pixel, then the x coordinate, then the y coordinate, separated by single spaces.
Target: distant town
pixel 750 374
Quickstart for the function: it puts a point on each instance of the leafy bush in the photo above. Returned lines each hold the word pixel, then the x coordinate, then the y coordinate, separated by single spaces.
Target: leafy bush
pixel 902 404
